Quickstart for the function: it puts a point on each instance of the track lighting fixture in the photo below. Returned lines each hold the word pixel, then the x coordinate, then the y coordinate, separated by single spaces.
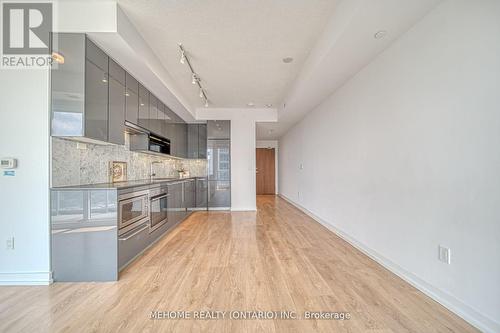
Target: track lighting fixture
pixel 183 57
pixel 195 79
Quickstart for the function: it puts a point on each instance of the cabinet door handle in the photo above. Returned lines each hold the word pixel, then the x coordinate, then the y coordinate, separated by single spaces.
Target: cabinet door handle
pixel 135 233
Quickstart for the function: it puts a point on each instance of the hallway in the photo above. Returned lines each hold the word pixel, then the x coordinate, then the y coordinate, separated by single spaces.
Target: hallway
pixel 275 259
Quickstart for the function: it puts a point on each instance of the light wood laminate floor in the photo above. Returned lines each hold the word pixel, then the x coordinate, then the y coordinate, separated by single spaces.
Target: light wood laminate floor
pixel 275 259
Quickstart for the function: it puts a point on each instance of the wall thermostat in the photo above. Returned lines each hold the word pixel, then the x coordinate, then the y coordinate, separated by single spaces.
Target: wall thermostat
pixel 8 163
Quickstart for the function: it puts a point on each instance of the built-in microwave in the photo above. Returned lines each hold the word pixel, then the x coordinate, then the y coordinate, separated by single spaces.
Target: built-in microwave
pixel 133 210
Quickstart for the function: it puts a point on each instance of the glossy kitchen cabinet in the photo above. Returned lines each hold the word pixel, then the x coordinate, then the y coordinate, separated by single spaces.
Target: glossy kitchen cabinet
pixel 201 193
pixel 219 164
pixel 116 106
pixel 192 139
pixel 143 118
pixel 96 102
pixel 68 86
pixel 79 89
pixel 197 141
pixel 96 93
pixel 190 194
pixel 132 99
pixel 84 234
pixel 153 114
pixel 176 210
pixel 202 141
pixel 162 120
pixel 179 139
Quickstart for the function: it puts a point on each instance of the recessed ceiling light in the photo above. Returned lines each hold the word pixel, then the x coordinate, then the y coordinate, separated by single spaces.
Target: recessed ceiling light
pixel 287 60
pixel 380 34
pixel 251 104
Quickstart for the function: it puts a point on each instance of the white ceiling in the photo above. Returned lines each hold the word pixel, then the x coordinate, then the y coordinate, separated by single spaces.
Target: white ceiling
pixel 236 46
pixel 346 45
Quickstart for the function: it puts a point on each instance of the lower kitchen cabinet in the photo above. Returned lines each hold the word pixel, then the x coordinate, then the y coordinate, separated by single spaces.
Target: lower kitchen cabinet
pixel 132 244
pixel 91 239
pixel 201 193
pixel 176 209
pixel 190 194
pixel 219 194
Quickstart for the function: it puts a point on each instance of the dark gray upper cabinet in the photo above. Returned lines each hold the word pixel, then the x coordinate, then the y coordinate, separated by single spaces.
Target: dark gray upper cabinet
pixel 202 141
pixel 79 89
pixel 116 103
pixel 178 139
pixel 197 141
pixel 182 139
pixel 96 55
pixel 153 113
pixel 68 86
pixel 93 97
pixel 143 107
pixel 96 102
pixel 117 72
pixel 192 140
pixel 132 99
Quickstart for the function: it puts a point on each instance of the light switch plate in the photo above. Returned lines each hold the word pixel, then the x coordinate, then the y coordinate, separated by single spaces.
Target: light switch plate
pixel 444 254
pixel 8 163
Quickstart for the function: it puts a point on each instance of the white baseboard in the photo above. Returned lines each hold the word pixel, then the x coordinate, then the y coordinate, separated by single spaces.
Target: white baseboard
pixel 243 209
pixel 461 309
pixel 25 278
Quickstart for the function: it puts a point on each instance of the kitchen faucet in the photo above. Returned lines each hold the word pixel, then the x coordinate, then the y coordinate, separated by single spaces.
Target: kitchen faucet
pixel 152 174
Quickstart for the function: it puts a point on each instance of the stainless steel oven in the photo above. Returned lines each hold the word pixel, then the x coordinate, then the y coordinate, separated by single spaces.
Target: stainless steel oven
pixel 133 210
pixel 158 207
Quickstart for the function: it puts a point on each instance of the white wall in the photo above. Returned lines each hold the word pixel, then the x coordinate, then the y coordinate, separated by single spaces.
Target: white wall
pixel 243 194
pixel 406 156
pixel 271 144
pixel 24 199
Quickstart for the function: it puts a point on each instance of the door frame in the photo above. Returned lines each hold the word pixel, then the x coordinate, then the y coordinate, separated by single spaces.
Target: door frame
pixel 270 144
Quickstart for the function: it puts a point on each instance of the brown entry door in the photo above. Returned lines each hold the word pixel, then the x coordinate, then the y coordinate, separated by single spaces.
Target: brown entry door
pixel 265 171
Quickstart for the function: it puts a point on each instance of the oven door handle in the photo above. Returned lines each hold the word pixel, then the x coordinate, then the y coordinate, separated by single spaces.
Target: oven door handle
pixel 159 197
pixel 135 233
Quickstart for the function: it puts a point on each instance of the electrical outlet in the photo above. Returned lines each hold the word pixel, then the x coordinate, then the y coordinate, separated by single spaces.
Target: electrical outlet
pixel 444 254
pixel 10 243
pixel 301 166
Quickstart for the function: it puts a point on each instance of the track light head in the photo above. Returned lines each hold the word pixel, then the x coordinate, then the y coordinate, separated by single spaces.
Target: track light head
pixel 202 94
pixel 183 57
pixel 195 79
pixel 206 103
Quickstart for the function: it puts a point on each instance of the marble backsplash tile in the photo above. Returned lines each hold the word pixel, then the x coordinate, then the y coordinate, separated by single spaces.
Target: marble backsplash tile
pixel 75 163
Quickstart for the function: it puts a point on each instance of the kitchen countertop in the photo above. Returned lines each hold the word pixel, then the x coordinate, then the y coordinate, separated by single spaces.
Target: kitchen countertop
pixel 123 185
